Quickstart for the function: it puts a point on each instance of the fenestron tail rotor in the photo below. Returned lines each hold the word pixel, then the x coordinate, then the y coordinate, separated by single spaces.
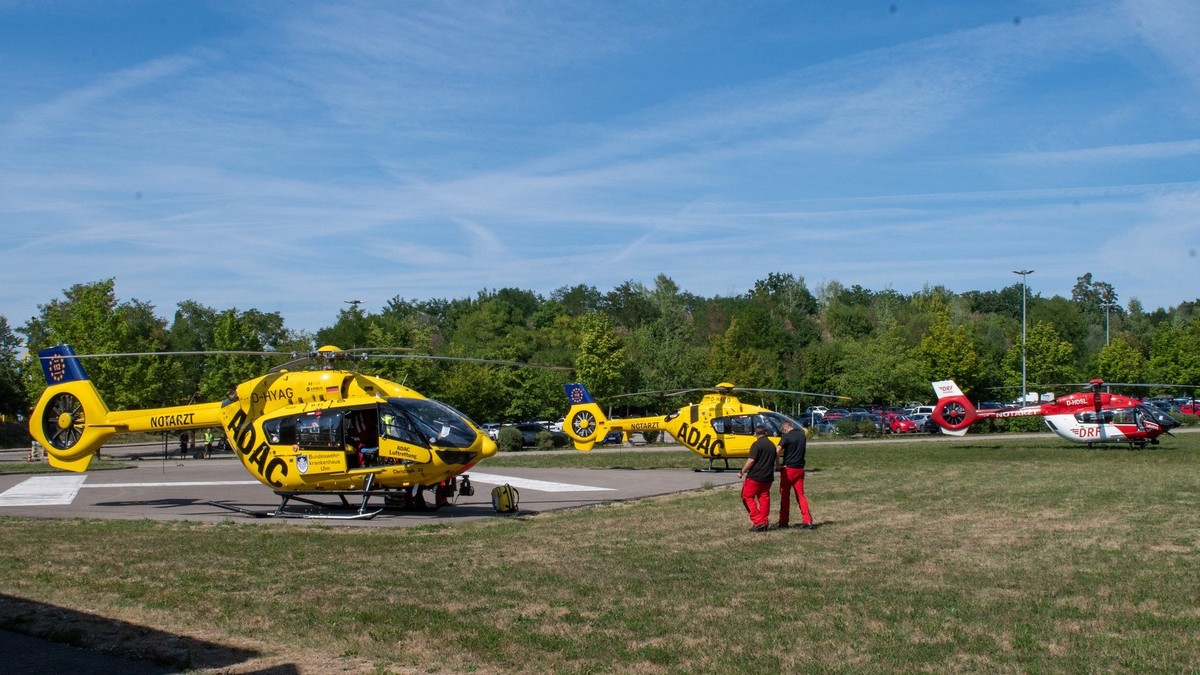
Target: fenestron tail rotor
pixel 583 423
pixel 63 420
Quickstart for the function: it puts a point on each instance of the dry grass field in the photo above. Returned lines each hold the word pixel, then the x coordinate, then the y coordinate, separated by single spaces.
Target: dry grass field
pixel 1011 556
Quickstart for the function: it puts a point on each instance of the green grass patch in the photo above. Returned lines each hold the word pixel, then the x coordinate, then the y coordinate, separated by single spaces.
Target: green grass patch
pixel 994 556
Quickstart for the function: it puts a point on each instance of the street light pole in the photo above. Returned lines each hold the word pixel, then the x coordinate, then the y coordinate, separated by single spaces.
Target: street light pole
pixel 1107 306
pixel 1024 393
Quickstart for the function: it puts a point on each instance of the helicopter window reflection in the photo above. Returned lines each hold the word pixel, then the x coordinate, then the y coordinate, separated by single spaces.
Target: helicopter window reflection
pixel 437 422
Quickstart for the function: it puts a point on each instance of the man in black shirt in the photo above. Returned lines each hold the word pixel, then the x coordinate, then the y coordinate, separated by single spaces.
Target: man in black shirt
pixel 791 474
pixel 759 472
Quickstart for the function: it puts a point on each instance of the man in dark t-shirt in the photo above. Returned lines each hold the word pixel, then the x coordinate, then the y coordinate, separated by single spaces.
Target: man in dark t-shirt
pixel 791 474
pixel 759 472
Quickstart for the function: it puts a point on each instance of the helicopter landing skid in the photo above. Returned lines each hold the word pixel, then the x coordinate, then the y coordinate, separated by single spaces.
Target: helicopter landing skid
pixel 282 512
pixel 307 497
pixel 712 469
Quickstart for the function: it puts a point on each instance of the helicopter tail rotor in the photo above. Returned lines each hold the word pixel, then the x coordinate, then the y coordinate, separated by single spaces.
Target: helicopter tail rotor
pixel 69 420
pixel 585 421
pixel 953 412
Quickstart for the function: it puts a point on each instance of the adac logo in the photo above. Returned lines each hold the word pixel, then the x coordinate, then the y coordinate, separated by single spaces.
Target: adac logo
pixel 57 367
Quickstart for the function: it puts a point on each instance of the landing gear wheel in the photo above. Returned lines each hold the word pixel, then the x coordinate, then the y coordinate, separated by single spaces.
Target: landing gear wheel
pixel 63 421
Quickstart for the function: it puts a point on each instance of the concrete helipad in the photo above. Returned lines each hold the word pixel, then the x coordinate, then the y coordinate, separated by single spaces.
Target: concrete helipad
pixel 175 489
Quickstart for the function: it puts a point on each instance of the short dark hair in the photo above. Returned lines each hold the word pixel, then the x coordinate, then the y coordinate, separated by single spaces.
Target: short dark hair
pixel 760 430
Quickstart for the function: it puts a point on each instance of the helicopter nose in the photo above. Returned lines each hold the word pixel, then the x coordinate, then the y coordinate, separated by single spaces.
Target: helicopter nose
pixel 487 446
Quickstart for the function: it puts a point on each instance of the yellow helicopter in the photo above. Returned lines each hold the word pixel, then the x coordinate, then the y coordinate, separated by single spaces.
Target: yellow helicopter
pixel 719 427
pixel 302 433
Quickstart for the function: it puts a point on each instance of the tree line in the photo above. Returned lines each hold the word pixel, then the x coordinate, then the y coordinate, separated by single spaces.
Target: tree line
pixel 871 346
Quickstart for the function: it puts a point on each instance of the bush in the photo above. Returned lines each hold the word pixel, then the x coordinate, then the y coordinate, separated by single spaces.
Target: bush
pixel 509 439
pixel 544 440
pixel 846 428
pixel 650 436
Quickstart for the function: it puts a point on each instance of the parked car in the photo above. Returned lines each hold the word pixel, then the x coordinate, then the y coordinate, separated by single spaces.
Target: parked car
pixel 899 424
pixel 817 411
pixel 835 414
pixel 613 437
pixel 1190 408
pixel 530 430
pixel 492 429
pixel 867 417
pixel 819 426
pixel 921 409
pixel 925 423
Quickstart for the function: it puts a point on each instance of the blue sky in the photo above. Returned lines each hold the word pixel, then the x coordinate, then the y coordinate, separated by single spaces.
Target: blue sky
pixel 289 156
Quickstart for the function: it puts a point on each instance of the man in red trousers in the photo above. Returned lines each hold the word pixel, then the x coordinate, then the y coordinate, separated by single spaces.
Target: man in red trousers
pixel 759 472
pixel 791 475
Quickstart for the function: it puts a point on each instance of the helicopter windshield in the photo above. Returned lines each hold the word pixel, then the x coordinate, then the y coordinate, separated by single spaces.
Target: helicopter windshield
pixel 435 423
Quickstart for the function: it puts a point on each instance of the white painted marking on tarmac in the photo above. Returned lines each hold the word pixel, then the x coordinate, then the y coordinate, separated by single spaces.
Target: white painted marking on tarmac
pixel 43 491
pixel 530 484
pixel 194 483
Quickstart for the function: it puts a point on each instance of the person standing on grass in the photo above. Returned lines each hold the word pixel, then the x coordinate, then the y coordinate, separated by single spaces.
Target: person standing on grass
pixel 791 475
pixel 759 472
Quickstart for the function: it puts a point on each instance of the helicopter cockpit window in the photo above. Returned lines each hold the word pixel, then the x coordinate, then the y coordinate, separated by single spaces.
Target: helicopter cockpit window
pixel 396 425
pixel 773 421
pixel 319 431
pixel 1090 417
pixel 438 423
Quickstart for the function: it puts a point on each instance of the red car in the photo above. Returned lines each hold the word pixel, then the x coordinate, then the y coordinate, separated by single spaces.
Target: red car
pixel 1190 408
pixel 900 424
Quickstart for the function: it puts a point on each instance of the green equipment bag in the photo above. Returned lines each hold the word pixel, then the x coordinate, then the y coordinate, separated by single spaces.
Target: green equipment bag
pixel 505 498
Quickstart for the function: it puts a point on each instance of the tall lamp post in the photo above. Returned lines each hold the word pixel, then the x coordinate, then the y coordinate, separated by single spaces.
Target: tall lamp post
pixel 1024 393
pixel 1107 306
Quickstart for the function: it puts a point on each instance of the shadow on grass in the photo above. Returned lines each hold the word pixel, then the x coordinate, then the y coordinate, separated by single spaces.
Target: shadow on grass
pixel 42 635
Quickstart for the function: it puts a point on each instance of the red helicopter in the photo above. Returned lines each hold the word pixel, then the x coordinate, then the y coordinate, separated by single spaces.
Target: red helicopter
pixel 1090 416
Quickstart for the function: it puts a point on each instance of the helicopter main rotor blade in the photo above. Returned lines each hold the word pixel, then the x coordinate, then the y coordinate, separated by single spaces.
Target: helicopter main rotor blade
pixel 184 353
pixel 790 391
pixel 468 359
